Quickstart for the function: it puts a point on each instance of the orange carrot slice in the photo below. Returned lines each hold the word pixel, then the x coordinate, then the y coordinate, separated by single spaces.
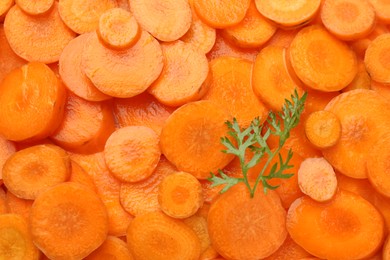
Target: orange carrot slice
pixel 35 7
pixel 7 148
pixel 386 249
pixel 4 207
pixel 289 250
pixel 283 38
pixel 382 10
pixel 5 6
pixel 382 89
pixel 377 59
pixel 112 248
pixel 80 176
pixel 18 206
pixel 362 79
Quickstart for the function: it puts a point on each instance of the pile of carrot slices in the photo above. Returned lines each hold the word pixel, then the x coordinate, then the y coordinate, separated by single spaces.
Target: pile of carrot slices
pixel 112 113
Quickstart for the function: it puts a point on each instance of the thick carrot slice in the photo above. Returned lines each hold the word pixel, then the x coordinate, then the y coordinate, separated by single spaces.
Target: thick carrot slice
pixel 29 172
pixel 348 19
pixel 157 236
pixel 85 126
pixel 32 103
pixel 112 248
pixel 248 219
pixel 382 10
pixel 72 74
pixel 185 76
pixel 18 206
pixel 377 59
pixel 124 73
pixel 15 239
pixel 197 128
pixel 362 79
pixel 321 61
pixel 7 148
pixel 132 153
pixel 68 221
pixel 288 13
pixel 364 120
pixel 118 29
pixel 36 45
pixel 5 5
pixel 35 7
pixel 252 32
pixel 80 176
pixel 289 250
pixel 323 129
pixel 352 227
pixel 213 13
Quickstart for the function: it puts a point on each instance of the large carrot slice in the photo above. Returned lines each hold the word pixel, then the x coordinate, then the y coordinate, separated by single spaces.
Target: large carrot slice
pixel 35 7
pixel 112 248
pixel 352 227
pixel 124 73
pixel 377 59
pixel 7 148
pixel 382 9
pixel 18 206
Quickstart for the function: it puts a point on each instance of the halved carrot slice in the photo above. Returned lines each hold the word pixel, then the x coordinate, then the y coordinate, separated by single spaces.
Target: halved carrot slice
pixel 382 9
pixel 377 59
pixel 7 148
pixel 18 206
pixel 125 73
pixel 35 7
pixel 112 248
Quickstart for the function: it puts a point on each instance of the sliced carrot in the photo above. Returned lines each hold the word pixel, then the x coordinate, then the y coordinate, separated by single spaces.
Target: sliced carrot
pixel 118 29
pixel 361 187
pixel 7 148
pixel 386 249
pixel 5 6
pixel 124 4
pixel 15 239
pixel 210 193
pixel 352 227
pixel 231 88
pixel 72 74
pixel 289 250
pixel 348 19
pixel 288 14
pixel 321 61
pixel 252 32
pixel 80 176
pixel 360 46
pixel 382 204
pixel 157 236
pixel 4 208
pixel 382 10
pixel 213 13
pixel 196 128
pixel 377 59
pixel 85 126
pixel 381 88
pixel 124 73
pixel 132 153
pixel 185 76
pixel 112 248
pixel 18 206
pixel 35 7
pixel 283 38
pixel 317 100
pixel 362 79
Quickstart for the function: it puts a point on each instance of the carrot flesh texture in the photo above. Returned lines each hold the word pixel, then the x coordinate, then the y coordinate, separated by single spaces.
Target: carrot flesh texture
pixel 7 148
pixel 18 206
pixel 5 6
pixel 377 58
pixel 125 73
pixel 35 7
pixel 352 226
pixel 167 21
pixel 80 176
pixel 112 248
pixel 157 236
pixel 282 38
pixel 382 10
pixel 185 76
pixel 289 250
pixel 4 208
pixel 381 88
pixel 362 79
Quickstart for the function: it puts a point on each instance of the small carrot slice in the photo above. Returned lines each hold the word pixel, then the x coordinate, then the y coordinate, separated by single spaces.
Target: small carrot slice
pixel 377 59
pixel 112 248
pixel 348 19
pixel 352 227
pixel 5 6
pixel 180 195
pixel 321 61
pixel 125 73
pixel 197 128
pixel 35 7
pixel 132 153
pixel 35 45
pixel 175 240
pixel 32 103
pixel 382 10
pixel 167 21
pixel 18 206
pixel 323 129
pixel 80 176
pixel 118 29
pixel 185 76
pixel 7 148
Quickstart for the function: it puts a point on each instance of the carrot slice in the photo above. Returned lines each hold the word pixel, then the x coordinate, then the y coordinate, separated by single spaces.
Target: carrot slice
pixel 5 6
pixel 118 29
pixel 68 221
pixel 124 4
pixel 288 13
pixel 348 19
pixel 72 73
pixel 283 38
pixel 382 89
pixel 35 45
pixel 7 148
pixel 382 9
pixel 157 236
pixel 352 227
pixel 80 176
pixel 32 102
pixel 4 208
pixel 166 21
pixel 197 128
pixel 185 76
pixel 35 7
pixel 289 250
pixel 231 88
pixel 213 13
pixel 15 239
pixel 386 249
pixel 321 61
pixel 362 79
pixel 112 248
pixel 377 59
pixel 124 73
pixel 18 206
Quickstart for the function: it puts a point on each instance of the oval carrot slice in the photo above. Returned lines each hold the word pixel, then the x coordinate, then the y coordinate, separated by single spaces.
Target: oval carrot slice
pixel 352 227
pixel 197 128
pixel 35 7
pixel 176 241
pixel 112 248
pixel 37 46
pixel 321 61
pixel 377 58
pixel 167 21
pixel 124 73
pixel 68 221
pixel 18 206
pixel 7 148
pixel 185 76
pixel 132 153
pixel 32 103
pixel 382 10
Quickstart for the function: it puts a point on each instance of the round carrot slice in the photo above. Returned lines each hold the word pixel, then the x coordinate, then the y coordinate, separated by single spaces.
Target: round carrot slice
pixel 382 9
pixel 352 227
pixel 112 248
pixel 125 73
pixel 196 128
pixel 185 76
pixel 321 61
pixel 132 153
pixel 118 29
pixel 32 101
pixel 377 59
pixel 35 7
pixel 68 221
pixel 46 38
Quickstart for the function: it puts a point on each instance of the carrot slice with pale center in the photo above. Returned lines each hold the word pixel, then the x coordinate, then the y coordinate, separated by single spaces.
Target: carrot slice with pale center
pixel 35 7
